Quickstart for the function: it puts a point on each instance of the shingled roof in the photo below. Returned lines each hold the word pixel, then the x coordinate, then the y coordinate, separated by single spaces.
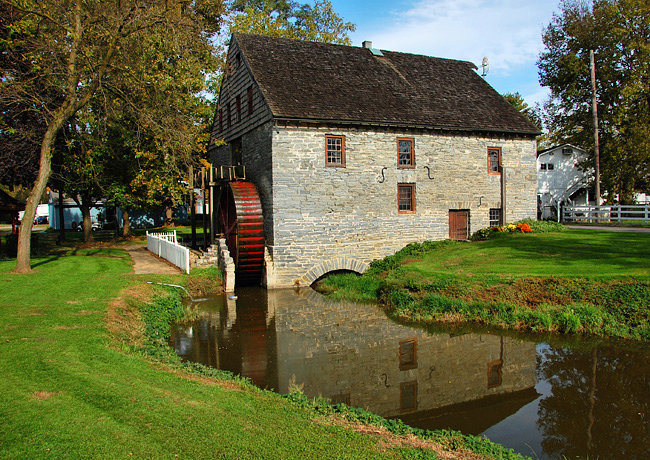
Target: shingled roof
pixel 344 84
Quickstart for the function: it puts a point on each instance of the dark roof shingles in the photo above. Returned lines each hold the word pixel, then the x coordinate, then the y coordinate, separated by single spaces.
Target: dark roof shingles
pixel 316 81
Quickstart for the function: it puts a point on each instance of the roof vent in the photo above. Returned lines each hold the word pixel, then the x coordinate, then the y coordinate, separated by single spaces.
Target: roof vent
pixel 367 44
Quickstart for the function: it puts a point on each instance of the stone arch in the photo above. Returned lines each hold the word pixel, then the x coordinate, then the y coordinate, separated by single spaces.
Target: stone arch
pixel 339 263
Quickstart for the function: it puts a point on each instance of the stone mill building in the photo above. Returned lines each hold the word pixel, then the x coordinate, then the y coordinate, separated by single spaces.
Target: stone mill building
pixel 356 152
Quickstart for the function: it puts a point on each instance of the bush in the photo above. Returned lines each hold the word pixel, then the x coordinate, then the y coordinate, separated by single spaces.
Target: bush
pixel 542 226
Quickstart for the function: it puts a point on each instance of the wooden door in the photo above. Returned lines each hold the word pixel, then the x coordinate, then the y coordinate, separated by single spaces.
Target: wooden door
pixel 459 224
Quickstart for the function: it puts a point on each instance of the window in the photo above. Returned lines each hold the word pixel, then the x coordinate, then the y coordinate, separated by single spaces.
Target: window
pixel 567 150
pixel 494 373
pixel 495 217
pixel 250 100
pixel 405 153
pixel 343 398
pixel 542 166
pixel 494 160
pixel 220 119
pixel 408 358
pixel 406 198
pixel 334 150
pixel 228 119
pixel 408 395
pixel 550 167
pixel 238 108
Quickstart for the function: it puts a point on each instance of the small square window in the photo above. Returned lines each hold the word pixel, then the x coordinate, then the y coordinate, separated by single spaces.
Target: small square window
pixel 343 398
pixel 406 198
pixel 495 217
pixel 408 395
pixel 550 167
pixel 494 160
pixel 408 354
pixel 405 153
pixel 542 166
pixel 334 150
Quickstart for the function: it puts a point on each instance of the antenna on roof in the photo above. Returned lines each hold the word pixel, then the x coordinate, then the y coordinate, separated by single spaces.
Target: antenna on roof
pixel 485 64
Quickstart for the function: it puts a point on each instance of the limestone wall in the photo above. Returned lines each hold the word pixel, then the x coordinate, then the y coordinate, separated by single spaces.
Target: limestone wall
pixel 326 218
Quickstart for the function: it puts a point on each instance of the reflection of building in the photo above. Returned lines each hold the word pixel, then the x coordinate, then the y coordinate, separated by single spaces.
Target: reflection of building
pixel 354 354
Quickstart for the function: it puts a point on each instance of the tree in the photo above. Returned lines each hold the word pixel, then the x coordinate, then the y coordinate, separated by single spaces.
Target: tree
pixel 618 31
pixel 518 102
pixel 77 50
pixel 288 19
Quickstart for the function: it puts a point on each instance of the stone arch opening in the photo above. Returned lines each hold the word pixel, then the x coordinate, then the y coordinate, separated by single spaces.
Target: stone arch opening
pixel 333 265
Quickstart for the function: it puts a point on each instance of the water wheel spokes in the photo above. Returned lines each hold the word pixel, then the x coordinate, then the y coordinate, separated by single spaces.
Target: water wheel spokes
pixel 242 223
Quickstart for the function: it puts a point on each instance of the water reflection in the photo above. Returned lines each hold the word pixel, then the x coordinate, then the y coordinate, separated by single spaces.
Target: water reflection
pixel 593 401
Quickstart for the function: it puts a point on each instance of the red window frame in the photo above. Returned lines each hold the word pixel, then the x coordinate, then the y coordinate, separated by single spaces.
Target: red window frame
pixel 334 164
pixel 408 354
pixel 410 187
pixel 249 92
pixel 497 151
pixel 411 164
pixel 405 388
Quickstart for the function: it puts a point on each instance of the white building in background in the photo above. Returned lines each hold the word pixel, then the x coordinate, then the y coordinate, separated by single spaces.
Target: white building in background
pixel 560 180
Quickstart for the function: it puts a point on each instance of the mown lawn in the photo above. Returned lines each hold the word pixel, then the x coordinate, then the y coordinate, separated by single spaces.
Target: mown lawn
pixel 71 389
pixel 595 282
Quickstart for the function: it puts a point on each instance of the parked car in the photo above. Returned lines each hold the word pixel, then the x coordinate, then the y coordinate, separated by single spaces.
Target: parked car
pixel 41 220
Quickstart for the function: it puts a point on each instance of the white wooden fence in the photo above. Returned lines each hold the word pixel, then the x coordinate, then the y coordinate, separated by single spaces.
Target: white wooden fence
pixel 638 213
pixel 164 245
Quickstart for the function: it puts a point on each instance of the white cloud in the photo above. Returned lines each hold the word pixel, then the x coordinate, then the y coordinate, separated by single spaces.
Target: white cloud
pixel 508 32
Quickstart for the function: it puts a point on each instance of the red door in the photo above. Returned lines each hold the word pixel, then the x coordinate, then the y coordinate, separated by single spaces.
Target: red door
pixel 459 224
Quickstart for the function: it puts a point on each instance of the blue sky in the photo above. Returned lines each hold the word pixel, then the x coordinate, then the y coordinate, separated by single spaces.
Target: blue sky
pixel 508 32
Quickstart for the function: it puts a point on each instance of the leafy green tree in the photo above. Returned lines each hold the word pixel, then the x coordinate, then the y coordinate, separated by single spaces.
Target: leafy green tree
pixel 618 31
pixel 77 51
pixel 280 18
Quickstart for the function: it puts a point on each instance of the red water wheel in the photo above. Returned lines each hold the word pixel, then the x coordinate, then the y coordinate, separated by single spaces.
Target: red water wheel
pixel 242 223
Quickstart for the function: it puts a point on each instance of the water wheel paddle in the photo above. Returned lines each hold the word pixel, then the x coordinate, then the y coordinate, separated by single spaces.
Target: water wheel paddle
pixel 242 223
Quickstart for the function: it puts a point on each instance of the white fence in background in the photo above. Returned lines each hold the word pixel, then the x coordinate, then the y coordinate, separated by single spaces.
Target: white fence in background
pixel 622 213
pixel 164 245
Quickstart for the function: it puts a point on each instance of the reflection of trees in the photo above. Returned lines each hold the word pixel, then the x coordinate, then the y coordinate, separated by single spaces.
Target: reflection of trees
pixel 599 403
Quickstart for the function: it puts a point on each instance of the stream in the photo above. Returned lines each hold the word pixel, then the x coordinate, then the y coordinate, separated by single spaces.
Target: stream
pixel 540 395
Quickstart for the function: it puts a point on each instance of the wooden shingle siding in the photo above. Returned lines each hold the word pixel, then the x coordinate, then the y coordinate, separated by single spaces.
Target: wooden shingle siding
pixel 236 83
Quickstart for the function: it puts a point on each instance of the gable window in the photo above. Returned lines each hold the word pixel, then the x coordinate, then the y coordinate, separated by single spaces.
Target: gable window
pixel 237 108
pixel 550 167
pixel 334 150
pixel 228 119
pixel 405 153
pixel 408 358
pixel 495 217
pixel 494 160
pixel 220 119
pixel 250 100
pixel 406 198
pixel 542 166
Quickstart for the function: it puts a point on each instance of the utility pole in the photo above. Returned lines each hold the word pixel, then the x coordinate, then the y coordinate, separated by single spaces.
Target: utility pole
pixel 596 143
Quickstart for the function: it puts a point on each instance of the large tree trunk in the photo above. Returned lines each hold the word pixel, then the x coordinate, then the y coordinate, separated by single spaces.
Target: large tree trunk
pixel 126 226
pixel 23 256
pixel 87 221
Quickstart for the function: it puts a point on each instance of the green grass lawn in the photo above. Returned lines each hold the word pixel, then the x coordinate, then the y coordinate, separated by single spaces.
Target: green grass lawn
pixel 586 281
pixel 70 389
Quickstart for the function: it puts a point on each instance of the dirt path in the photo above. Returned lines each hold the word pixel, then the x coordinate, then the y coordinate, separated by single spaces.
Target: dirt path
pixel 144 262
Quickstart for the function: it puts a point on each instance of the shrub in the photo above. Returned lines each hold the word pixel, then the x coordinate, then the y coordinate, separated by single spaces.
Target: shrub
pixel 542 226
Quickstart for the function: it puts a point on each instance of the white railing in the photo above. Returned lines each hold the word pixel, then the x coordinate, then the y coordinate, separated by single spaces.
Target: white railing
pixel 621 213
pixel 164 245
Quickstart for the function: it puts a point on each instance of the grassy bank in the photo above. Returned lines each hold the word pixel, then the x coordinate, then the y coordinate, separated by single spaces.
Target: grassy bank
pixel 576 281
pixel 87 373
